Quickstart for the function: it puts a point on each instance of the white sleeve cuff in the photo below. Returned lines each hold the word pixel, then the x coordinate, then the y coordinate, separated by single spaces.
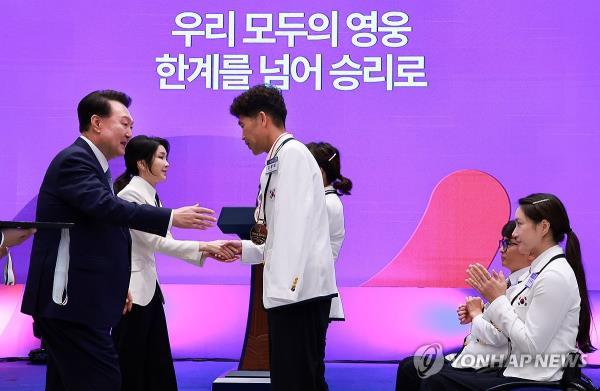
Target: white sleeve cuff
pixel 201 258
pixel 496 309
pixel 475 325
pixel 171 220
pixel 252 254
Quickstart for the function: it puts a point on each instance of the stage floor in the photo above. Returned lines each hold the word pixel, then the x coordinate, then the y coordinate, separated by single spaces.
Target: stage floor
pixel 198 375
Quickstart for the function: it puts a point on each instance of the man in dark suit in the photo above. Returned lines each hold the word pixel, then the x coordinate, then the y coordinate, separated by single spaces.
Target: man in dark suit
pixel 78 278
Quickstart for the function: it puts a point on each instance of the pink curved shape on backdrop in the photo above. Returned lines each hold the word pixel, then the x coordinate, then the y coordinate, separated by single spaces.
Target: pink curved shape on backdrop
pixel 461 225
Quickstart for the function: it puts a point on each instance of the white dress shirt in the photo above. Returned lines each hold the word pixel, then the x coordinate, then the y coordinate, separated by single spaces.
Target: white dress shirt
pixel 543 319
pixel 486 345
pixel 143 262
pixel 337 232
pixel 297 254
pixel 99 155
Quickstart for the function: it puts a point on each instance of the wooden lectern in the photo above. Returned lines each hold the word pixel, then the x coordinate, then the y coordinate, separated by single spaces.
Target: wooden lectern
pixel 252 373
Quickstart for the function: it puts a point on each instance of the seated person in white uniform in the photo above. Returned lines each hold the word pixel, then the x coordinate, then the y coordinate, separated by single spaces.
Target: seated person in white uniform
pixel 485 342
pixel 548 317
pixel 486 346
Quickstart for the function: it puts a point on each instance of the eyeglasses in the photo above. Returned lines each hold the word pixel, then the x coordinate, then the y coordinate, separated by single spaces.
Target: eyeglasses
pixel 505 244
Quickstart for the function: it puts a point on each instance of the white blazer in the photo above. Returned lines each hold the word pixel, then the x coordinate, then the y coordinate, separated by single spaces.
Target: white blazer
pixel 143 263
pixel 297 254
pixel 337 232
pixel 543 319
pixel 486 345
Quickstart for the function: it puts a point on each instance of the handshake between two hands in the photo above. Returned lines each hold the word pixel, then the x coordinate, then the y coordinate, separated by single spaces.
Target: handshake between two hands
pixel 222 250
pixel 197 217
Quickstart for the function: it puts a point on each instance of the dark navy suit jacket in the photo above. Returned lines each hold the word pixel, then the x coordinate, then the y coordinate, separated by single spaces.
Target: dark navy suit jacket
pixel 75 189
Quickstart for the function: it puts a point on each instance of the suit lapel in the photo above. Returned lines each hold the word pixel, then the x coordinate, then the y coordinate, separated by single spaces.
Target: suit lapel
pixel 82 144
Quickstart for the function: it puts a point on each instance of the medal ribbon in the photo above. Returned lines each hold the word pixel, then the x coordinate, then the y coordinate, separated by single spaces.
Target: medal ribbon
pixel 263 202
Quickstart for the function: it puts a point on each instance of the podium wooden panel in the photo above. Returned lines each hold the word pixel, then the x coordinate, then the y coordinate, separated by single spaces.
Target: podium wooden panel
pixel 255 353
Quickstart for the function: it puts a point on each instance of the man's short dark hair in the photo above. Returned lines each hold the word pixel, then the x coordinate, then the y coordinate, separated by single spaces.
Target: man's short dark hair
pixel 508 229
pixel 261 98
pixel 98 103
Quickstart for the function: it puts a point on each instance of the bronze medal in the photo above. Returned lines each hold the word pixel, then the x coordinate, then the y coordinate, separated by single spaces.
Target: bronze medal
pixel 258 234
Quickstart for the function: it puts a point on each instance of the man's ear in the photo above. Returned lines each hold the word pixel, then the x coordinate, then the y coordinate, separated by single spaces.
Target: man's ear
pixel 263 118
pixel 96 122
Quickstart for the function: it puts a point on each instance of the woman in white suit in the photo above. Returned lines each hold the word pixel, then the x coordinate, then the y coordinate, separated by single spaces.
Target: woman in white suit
pixel 548 317
pixel 141 337
pixel 336 185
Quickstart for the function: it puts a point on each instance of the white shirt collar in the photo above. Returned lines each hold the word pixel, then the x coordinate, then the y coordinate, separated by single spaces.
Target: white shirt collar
pixel 144 186
pixel 280 140
pixel 99 155
pixel 330 187
pixel 545 257
pixel 514 276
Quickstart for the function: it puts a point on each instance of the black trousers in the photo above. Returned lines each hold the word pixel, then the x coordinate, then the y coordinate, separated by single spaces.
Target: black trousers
pixel 297 346
pixel 80 357
pixel 142 341
pixel 448 378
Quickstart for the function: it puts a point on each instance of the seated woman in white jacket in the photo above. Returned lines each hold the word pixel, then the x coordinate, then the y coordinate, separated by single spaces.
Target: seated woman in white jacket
pixel 336 185
pixel 546 319
pixel 486 346
pixel 141 337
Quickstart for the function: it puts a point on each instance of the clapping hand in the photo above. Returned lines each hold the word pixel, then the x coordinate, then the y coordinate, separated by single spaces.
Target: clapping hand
pixel 466 312
pixel 474 306
pixel 463 315
pixel 489 286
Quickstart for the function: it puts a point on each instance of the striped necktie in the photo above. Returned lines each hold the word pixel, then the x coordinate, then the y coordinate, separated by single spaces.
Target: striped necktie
pixel 109 179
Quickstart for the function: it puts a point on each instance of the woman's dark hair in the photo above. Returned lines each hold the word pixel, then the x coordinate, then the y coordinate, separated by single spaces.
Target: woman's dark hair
pixel 139 148
pixel 261 98
pixel 98 103
pixel 508 229
pixel 328 158
pixel 540 206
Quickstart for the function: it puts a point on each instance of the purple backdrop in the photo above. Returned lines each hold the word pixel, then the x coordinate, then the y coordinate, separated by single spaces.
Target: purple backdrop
pixel 513 90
